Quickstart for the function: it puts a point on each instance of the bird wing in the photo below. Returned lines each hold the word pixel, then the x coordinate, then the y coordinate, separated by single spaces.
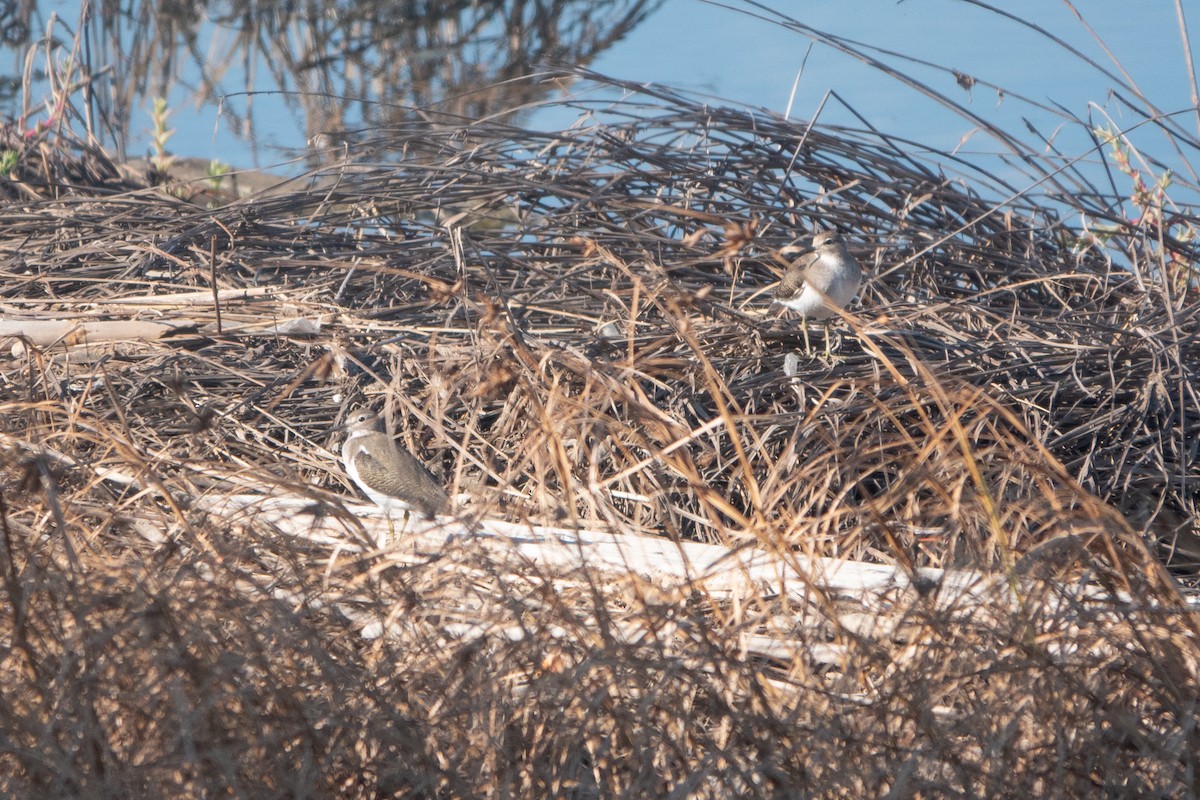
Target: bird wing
pixel 794 279
pixel 409 476
pixel 372 470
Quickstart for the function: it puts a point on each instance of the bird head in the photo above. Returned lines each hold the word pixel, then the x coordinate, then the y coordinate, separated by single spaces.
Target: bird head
pixel 819 240
pixel 361 419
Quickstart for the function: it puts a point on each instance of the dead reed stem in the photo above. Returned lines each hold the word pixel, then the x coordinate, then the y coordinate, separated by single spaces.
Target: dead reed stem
pixel 571 328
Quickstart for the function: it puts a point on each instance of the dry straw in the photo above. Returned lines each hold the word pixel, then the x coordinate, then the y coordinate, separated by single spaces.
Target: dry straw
pixel 573 329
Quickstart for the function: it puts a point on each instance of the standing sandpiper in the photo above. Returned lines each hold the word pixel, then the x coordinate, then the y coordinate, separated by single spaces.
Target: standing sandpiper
pixel 387 473
pixel 824 277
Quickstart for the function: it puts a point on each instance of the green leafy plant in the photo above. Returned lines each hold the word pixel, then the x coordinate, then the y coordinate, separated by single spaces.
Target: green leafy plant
pixel 8 162
pixel 159 134
pixel 216 172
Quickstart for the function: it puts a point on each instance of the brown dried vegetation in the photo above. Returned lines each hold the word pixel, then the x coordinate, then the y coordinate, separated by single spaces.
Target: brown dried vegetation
pixel 574 329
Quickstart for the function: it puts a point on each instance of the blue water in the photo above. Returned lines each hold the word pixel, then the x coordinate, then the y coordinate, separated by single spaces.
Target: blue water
pixel 732 53
pixel 711 48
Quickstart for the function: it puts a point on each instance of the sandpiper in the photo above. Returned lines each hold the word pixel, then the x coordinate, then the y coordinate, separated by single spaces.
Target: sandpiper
pixel 388 474
pixel 824 277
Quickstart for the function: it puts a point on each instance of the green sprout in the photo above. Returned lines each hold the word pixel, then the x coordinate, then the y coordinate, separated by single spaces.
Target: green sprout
pixel 216 172
pixel 8 162
pixel 160 134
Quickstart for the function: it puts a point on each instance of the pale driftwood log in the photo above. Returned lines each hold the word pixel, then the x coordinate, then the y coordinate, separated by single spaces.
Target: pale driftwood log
pixel 823 598
pixel 200 298
pixel 69 332
pixel 197 298
pixel 720 571
pixel 44 333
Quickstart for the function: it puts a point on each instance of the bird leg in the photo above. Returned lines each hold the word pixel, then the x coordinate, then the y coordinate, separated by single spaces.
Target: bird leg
pixel 391 534
pixel 392 525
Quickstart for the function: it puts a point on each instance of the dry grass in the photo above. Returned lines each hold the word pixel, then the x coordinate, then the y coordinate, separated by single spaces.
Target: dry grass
pixel 574 328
